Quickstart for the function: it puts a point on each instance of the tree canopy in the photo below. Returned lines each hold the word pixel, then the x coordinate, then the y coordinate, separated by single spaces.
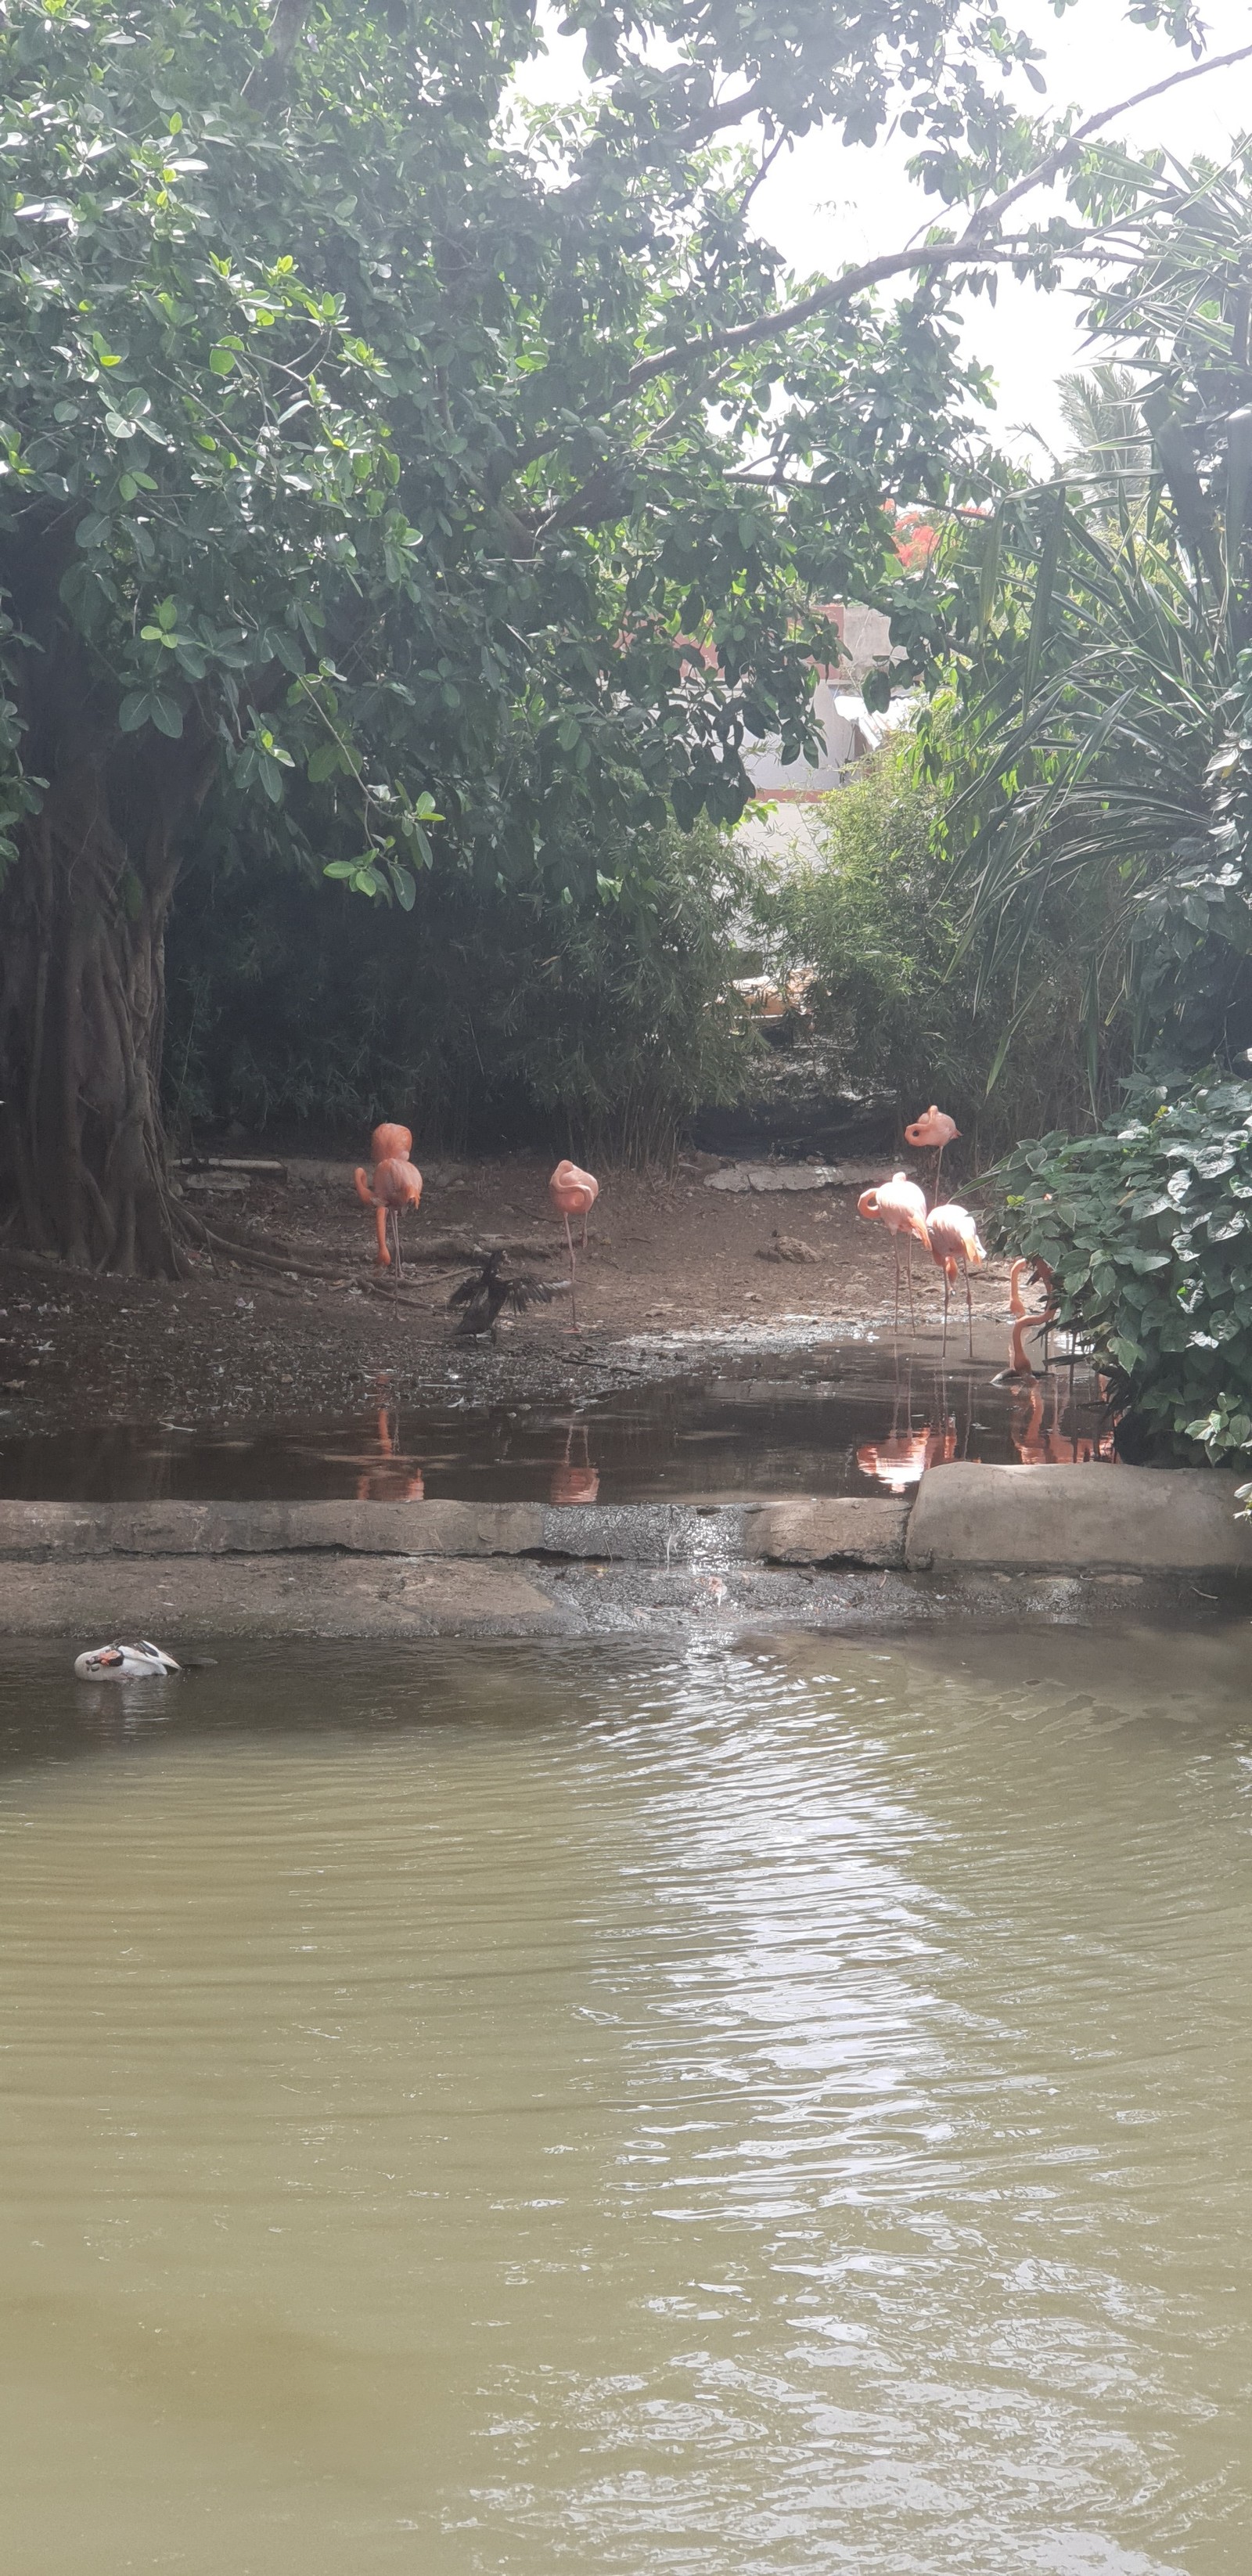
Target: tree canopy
pixel 418 479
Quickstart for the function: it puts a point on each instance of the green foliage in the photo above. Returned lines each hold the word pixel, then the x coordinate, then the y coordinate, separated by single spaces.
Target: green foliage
pixel 426 484
pixel 1111 455
pixel 916 1011
pixel 1102 633
pixel 320 409
pixel 1146 1227
pixel 595 1023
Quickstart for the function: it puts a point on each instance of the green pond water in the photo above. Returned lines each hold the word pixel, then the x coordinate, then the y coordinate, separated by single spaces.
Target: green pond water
pixel 487 2111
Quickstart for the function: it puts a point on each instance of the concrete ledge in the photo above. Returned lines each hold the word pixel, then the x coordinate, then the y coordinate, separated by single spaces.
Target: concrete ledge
pixel 848 1530
pixel 1053 1542
pixel 1078 1520
pixel 259 1529
pixel 869 1532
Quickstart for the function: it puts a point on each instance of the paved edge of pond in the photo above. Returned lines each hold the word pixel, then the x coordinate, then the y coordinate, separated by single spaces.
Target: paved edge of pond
pixel 1034 1542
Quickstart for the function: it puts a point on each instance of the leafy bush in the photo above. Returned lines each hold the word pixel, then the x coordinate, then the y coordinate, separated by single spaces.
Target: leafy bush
pixel 598 1014
pixel 1147 1229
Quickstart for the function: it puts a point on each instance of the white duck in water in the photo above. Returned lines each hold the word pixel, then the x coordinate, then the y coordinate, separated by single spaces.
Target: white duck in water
pixel 139 1662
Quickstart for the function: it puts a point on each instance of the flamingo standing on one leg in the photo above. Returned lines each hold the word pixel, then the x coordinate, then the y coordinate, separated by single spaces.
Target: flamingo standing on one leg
pixel 934 1127
pixel 902 1207
pixel 394 1185
pixel 954 1241
pixel 573 1193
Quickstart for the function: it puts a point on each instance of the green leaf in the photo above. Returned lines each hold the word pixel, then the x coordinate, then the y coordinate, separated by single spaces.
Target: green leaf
pixel 166 714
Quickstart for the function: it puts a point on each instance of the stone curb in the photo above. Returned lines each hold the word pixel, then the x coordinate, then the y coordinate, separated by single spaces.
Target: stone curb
pixel 975 1537
pixel 1078 1520
pixel 868 1532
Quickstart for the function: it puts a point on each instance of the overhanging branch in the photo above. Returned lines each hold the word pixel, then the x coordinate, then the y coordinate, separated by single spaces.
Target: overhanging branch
pixel 972 249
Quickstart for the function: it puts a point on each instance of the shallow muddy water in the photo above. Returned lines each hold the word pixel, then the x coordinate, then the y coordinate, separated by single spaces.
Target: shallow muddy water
pixel 484 2111
pixel 857 1417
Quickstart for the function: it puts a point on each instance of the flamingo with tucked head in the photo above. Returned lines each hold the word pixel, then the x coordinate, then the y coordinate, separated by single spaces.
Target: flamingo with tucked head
pixel 934 1127
pixel 573 1193
pixel 394 1184
pixel 391 1144
pixel 902 1208
pixel 954 1243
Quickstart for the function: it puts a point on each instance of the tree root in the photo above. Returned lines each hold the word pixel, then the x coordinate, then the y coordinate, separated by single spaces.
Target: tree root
pixel 235 1249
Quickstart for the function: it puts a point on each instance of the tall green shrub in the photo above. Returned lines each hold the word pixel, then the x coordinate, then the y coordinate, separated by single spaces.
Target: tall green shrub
pixel 913 1007
pixel 1146 1227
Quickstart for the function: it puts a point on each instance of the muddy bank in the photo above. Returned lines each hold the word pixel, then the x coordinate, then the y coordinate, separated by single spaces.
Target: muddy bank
pixel 240 1344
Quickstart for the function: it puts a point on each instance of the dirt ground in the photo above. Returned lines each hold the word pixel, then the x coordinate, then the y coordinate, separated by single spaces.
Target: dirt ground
pixel 238 1343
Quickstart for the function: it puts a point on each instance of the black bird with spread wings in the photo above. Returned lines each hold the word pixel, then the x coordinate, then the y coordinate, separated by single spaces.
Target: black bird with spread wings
pixel 489 1289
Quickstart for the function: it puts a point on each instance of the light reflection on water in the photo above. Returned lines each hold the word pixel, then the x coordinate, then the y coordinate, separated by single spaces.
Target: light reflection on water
pixel 847 1419
pixel 490 2110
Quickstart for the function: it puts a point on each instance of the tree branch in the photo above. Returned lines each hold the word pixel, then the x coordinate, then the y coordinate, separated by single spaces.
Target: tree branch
pixel 280 44
pixel 837 290
pixel 1047 169
pixel 973 248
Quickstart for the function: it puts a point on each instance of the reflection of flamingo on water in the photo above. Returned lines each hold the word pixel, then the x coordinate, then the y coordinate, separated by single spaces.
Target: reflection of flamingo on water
pixel 570 1482
pixel 391 1477
pixel 1042 1444
pixel 901 1460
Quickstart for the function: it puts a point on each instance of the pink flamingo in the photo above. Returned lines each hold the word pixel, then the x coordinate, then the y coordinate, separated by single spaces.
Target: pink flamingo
pixel 573 1193
pixel 902 1207
pixel 391 1144
pixel 954 1240
pixel 934 1127
pixel 394 1185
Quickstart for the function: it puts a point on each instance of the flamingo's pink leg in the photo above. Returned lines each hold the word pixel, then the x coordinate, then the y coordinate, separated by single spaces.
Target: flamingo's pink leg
pixel 573 1273
pixel 908 1260
pixel 380 1229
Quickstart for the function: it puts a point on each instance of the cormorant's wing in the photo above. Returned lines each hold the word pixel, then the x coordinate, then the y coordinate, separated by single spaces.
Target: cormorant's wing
pixel 471 1287
pixel 534 1292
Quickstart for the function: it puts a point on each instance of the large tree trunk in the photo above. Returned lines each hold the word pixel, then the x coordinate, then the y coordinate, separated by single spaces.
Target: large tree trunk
pixel 82 929
pixel 81 1009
